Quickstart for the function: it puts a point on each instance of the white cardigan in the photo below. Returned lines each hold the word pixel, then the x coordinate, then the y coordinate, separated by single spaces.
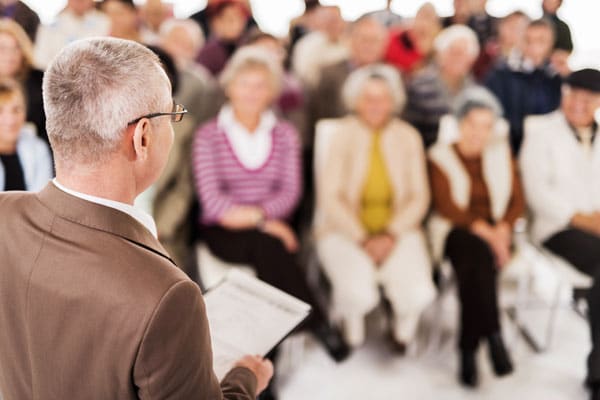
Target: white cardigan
pixel 35 159
pixel 559 178
pixel 497 171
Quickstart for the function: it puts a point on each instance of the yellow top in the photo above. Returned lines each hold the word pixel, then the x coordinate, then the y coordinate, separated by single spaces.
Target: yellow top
pixel 377 194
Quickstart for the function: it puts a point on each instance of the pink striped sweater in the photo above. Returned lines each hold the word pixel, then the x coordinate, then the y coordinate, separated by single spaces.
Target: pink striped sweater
pixel 223 182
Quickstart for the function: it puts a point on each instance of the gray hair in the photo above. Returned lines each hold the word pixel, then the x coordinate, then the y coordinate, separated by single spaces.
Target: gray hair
pixel 192 28
pixel 252 57
pixel 476 97
pixel 92 89
pixel 448 36
pixel 355 83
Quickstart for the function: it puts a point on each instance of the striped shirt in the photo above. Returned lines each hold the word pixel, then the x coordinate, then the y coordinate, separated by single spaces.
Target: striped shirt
pixel 222 181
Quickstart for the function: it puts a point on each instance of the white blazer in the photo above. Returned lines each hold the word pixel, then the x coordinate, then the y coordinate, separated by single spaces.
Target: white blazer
pixel 560 179
pixel 35 158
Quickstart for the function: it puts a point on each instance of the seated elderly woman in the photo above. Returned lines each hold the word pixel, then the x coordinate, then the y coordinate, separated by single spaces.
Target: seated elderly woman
pixel 432 90
pixel 477 197
pixel 25 162
pixel 246 165
pixel 372 197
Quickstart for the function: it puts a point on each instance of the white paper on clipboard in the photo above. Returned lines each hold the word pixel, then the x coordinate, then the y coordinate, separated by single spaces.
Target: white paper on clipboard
pixel 248 316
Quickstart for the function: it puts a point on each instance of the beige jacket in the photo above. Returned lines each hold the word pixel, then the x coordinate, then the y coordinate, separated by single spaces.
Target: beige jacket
pixel 340 189
pixel 91 307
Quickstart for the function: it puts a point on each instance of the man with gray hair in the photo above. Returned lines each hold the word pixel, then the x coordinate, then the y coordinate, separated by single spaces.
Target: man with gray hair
pixel 91 305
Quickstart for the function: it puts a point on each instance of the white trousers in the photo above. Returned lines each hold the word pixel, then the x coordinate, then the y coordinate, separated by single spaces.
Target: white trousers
pixel 405 278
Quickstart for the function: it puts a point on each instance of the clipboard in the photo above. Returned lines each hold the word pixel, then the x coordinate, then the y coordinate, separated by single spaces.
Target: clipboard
pixel 249 316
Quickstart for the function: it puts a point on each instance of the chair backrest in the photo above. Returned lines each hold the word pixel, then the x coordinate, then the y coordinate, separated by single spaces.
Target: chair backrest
pixel 324 131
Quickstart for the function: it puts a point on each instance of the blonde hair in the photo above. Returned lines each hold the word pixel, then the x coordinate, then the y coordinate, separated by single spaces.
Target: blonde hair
pixel 249 57
pixel 10 27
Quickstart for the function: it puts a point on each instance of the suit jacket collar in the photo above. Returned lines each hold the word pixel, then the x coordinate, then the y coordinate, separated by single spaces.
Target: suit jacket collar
pixel 99 217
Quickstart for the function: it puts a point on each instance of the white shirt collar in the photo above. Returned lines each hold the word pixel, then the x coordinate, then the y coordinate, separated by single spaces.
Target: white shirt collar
pixel 251 148
pixel 143 218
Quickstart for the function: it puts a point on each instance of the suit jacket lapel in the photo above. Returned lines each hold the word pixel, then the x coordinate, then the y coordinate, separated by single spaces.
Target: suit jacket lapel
pixel 100 217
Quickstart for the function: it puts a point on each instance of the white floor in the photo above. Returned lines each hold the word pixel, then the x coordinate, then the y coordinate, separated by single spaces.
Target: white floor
pixel 373 373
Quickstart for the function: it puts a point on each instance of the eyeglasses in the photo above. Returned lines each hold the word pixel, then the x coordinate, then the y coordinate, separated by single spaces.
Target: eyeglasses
pixel 176 115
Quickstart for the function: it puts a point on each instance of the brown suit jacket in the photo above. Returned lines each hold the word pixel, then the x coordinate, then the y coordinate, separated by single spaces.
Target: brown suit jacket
pixel 91 307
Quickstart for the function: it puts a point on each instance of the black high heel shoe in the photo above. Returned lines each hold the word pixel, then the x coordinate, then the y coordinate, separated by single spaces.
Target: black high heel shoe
pixel 499 355
pixel 468 369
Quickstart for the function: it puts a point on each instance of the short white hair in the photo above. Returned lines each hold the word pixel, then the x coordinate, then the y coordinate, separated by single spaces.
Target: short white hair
pixel 253 56
pixel 454 33
pixel 191 27
pixel 92 89
pixel 356 81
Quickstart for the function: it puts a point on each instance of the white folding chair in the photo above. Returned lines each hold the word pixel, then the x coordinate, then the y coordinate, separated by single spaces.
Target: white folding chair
pixel 566 280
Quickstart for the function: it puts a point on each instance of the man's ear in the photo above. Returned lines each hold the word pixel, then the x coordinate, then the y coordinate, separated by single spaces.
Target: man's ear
pixel 141 139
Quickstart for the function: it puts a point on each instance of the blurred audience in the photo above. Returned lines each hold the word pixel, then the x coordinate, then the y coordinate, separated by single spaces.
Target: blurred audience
pixel 291 104
pixel 204 16
pixel 531 86
pixel 153 14
pixel 387 17
pixel 22 15
pixel 372 198
pixel 125 21
pixel 411 48
pixel 228 20
pixel 432 90
pixel 16 62
pixel 486 28
pixel 367 41
pixel 174 195
pixel 477 197
pixel 304 23
pixel 78 20
pixel 324 46
pixel 560 162
pixel 247 171
pixel 462 13
pixel 563 43
pixel 511 37
pixel 25 161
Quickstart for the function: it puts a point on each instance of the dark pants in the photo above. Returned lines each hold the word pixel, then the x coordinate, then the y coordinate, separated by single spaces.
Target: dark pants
pixel 475 268
pixel 582 250
pixel 271 261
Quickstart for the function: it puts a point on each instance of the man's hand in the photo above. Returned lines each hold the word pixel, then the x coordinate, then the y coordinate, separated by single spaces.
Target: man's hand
pixel 379 247
pixel 283 232
pixel 260 367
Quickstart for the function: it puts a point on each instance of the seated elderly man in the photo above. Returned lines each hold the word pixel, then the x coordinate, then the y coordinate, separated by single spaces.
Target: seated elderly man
pixel 432 90
pixel 560 163
pixel 529 85
pixel 94 306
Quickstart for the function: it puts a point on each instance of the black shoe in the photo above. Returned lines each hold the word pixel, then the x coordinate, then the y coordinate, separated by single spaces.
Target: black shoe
pixel 332 340
pixel 399 348
pixel 499 355
pixel 594 391
pixel 468 369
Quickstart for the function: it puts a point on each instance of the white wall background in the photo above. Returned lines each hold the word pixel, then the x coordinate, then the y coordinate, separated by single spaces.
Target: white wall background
pixel 274 15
